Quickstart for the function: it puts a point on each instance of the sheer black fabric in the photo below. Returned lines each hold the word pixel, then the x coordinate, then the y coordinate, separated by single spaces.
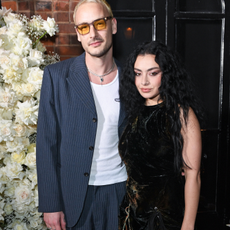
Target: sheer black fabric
pixel 154 198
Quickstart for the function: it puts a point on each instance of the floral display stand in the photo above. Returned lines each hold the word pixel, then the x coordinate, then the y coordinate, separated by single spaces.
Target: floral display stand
pixel 22 61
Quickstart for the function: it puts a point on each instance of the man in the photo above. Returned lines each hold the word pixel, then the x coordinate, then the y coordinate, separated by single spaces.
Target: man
pixel 81 179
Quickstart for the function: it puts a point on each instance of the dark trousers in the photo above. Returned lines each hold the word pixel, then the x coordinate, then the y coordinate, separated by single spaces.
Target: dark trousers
pixel 101 208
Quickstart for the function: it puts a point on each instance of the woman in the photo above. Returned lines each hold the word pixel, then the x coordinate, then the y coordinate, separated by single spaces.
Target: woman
pixel 161 145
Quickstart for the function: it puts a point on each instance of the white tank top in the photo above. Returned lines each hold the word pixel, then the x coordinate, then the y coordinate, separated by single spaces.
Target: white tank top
pixel 106 165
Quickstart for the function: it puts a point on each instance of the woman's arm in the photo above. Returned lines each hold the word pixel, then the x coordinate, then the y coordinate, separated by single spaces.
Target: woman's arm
pixel 192 156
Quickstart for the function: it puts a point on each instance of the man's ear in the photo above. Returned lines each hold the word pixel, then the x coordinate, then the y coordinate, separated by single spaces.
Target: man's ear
pixel 78 36
pixel 114 26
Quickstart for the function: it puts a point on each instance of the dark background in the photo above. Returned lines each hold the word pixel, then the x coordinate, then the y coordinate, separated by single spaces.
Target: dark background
pixel 199 30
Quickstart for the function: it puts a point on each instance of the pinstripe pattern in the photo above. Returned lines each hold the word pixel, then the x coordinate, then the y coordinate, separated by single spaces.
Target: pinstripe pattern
pixel 101 208
pixel 65 132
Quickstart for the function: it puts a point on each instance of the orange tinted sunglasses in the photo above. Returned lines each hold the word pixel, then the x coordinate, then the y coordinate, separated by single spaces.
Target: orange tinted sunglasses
pixel 98 24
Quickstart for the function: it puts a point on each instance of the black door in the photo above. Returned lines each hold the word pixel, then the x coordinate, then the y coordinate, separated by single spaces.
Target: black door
pixel 200 31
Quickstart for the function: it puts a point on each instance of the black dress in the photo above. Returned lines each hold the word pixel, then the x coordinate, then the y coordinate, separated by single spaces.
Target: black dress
pixel 155 192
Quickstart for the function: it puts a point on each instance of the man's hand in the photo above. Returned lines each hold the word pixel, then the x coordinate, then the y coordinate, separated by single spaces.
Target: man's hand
pixel 55 220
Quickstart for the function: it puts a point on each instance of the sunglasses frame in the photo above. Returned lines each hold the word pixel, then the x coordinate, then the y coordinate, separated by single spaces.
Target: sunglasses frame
pixel 92 23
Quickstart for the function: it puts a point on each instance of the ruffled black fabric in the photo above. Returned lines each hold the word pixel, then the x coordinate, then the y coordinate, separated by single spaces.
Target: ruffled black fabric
pixel 154 198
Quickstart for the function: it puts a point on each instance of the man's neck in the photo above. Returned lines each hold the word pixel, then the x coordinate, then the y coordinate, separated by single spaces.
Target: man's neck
pixel 99 66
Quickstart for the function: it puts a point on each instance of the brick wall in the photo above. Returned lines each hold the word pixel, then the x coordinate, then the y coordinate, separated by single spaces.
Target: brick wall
pixel 65 43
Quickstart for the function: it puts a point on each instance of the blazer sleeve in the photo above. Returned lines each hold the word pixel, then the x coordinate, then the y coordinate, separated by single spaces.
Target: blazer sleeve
pixel 47 150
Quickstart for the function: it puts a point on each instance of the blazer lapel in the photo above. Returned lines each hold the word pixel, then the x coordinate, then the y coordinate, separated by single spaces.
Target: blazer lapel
pixel 79 80
pixel 122 109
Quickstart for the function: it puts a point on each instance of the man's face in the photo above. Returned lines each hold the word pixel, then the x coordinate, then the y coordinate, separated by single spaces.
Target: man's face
pixel 95 43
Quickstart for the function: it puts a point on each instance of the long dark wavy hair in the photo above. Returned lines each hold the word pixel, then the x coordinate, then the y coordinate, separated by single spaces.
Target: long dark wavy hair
pixel 176 91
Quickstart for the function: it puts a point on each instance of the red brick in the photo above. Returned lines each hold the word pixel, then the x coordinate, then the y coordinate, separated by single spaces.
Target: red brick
pixel 10 4
pixel 23 6
pixel 31 3
pixel 71 17
pixel 72 6
pixel 66 28
pixel 48 41
pixel 61 6
pixel 43 6
pixel 44 15
pixel 63 39
pixel 73 40
pixel 61 16
pixel 69 50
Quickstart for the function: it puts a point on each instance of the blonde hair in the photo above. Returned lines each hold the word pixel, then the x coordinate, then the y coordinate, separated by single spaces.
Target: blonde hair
pixel 102 2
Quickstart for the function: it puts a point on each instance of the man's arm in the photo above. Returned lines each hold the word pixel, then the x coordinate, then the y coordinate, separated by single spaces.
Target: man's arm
pixel 47 151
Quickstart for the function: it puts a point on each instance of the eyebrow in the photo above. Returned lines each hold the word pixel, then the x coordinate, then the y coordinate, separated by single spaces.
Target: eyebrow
pixel 147 69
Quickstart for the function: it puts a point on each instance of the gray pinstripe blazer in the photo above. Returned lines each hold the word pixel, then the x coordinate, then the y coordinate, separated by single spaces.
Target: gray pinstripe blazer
pixel 65 137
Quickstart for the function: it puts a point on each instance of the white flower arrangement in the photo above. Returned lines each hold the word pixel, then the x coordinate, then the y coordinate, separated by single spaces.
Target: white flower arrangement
pixel 22 61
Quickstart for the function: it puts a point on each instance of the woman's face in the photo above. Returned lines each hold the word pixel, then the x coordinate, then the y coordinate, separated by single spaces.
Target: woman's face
pixel 148 78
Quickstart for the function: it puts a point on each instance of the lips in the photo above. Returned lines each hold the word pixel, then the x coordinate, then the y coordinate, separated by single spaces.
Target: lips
pixel 95 43
pixel 145 90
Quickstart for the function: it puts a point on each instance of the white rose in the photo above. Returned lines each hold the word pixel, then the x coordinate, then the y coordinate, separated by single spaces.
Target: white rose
pixel 7 97
pixel 6 113
pixel 18 63
pixel 18 157
pixel 17 145
pixel 23 195
pixel 27 112
pixel 15 27
pixel 50 26
pixel 35 58
pixel 8 209
pixel 5 60
pixel 30 160
pixel 13 170
pixel 7 39
pixel 36 22
pixel 21 226
pixel 1 41
pixel 10 75
pixel 10 190
pixel 17 87
pixel 35 76
pixel 22 44
pixel 4 11
pixel 10 17
pixel 3 30
pixel 34 223
pixel 3 150
pixel 29 89
pixel 5 130
pixel 6 159
pixel 20 130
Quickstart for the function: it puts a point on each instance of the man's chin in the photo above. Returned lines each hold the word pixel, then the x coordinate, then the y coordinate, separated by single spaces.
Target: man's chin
pixel 97 52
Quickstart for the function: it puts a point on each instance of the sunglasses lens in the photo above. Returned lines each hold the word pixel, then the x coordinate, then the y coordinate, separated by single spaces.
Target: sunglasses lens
pixel 99 24
pixel 83 29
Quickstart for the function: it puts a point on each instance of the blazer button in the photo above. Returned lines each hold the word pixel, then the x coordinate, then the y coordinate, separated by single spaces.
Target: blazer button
pixel 90 147
pixel 86 174
pixel 94 120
